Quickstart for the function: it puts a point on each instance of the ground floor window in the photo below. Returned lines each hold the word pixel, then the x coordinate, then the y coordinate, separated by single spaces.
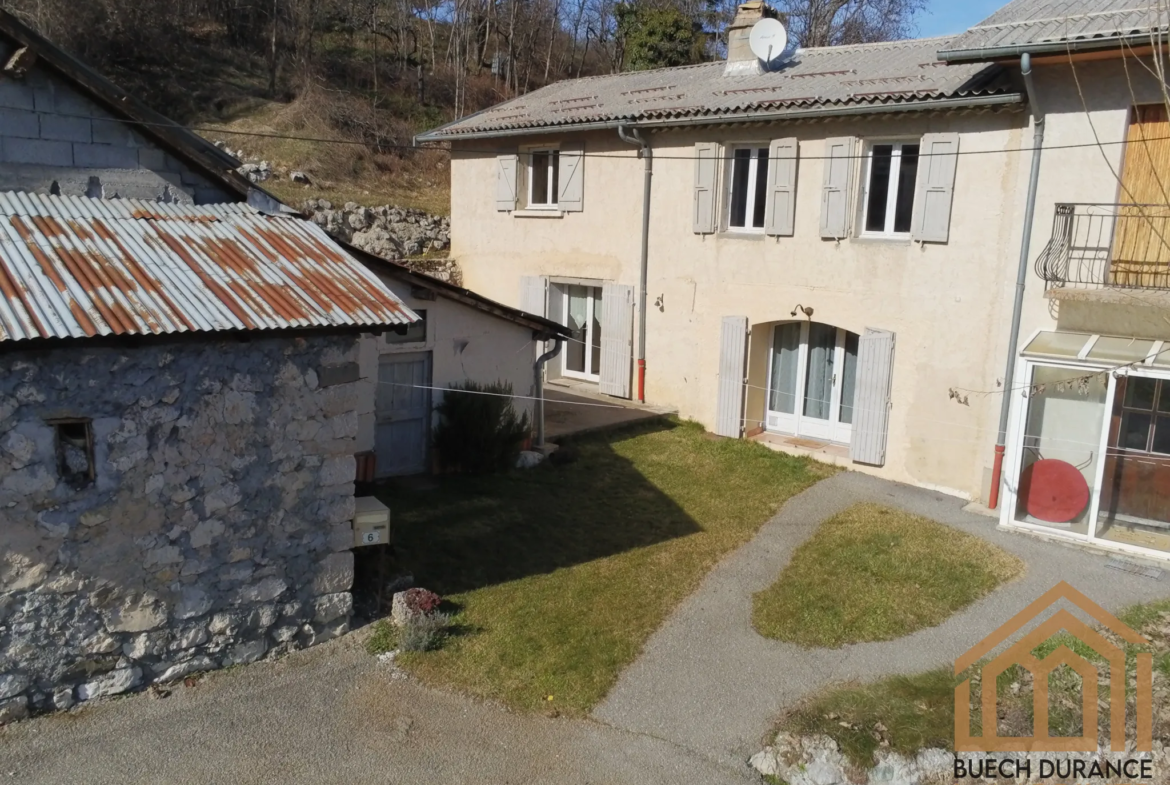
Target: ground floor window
pixel 811 381
pixel 582 307
pixel 1094 454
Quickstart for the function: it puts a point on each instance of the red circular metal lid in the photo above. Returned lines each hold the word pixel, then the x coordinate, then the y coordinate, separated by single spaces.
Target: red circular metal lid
pixel 1054 491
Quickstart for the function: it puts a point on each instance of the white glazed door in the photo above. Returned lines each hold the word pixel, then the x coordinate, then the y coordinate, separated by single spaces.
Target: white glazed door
pixel 811 375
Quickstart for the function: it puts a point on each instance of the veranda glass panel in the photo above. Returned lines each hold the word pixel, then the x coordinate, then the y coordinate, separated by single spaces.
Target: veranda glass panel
pixel 785 356
pixel 1062 437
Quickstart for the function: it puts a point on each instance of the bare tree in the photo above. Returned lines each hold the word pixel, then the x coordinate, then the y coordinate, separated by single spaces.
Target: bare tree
pixel 836 22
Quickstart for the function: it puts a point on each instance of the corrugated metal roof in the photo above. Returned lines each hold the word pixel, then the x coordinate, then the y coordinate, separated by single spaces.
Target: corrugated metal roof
pixel 898 72
pixel 72 267
pixel 1046 24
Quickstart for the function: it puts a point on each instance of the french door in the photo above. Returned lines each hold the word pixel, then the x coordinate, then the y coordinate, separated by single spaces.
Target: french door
pixel 582 355
pixel 811 381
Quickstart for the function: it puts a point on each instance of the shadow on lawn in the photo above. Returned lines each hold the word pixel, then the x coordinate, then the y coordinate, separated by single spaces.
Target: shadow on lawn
pixel 464 533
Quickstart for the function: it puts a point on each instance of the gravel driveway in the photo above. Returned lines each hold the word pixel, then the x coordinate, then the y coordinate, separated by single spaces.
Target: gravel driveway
pixel 334 715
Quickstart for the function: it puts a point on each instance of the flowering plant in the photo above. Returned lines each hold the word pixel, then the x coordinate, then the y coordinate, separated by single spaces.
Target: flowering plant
pixel 422 601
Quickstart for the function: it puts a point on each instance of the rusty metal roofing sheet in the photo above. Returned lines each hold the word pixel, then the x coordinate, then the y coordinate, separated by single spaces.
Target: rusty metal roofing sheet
pixel 72 267
pixel 897 72
pixel 1058 24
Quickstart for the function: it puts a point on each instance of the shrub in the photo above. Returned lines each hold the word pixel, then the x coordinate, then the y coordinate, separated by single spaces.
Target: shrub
pixel 424 633
pixel 479 433
pixel 421 601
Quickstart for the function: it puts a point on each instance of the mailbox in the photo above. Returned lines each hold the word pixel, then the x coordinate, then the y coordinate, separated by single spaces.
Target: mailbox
pixel 371 522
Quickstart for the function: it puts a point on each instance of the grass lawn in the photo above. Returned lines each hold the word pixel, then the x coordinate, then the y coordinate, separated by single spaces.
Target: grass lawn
pixel 560 573
pixel 872 573
pixel 910 713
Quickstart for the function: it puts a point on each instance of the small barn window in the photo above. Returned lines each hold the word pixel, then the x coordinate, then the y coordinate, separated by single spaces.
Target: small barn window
pixel 75 462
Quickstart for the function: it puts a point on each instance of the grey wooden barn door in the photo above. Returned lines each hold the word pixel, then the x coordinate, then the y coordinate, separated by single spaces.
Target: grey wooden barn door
pixel 402 411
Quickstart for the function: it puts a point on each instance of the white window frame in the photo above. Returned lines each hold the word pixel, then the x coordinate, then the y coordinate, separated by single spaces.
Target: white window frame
pixel 550 177
pixel 799 424
pixel 592 302
pixel 750 202
pixel 892 189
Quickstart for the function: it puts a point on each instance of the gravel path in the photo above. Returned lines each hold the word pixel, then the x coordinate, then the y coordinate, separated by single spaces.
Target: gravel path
pixel 708 682
pixel 333 714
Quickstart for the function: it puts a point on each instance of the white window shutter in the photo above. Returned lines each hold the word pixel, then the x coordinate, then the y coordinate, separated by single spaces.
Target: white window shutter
pixel 617 339
pixel 532 294
pixel 571 177
pixel 706 175
pixel 556 312
pixel 780 217
pixel 838 162
pixel 935 190
pixel 732 364
pixel 506 169
pixel 871 403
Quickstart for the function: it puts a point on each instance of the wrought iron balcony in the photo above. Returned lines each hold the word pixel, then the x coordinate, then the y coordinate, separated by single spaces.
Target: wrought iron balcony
pixel 1117 246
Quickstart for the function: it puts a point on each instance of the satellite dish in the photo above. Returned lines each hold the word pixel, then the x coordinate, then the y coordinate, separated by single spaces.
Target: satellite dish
pixel 768 40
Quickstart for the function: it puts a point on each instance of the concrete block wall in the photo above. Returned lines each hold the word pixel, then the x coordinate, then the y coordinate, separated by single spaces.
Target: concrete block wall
pixel 50 142
pixel 215 526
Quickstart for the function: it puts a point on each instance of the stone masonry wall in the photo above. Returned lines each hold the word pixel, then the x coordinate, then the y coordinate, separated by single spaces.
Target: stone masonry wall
pixel 49 142
pixel 215 531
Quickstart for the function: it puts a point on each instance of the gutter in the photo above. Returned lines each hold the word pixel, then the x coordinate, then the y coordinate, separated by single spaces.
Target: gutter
pixel 1021 277
pixel 1007 99
pixel 1056 47
pixel 647 155
pixel 538 375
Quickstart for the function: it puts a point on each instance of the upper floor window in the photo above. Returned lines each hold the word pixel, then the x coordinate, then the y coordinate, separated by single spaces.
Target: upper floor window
pixel 749 189
pixel 543 176
pixel 890 180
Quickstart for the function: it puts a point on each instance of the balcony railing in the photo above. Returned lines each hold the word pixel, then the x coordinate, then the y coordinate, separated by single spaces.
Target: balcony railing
pixel 1121 246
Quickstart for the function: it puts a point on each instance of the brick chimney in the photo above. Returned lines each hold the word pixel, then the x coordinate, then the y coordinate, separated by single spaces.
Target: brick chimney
pixel 740 60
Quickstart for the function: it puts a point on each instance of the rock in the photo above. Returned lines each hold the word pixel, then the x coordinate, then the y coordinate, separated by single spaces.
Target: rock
pixel 810 760
pixel 206 533
pixel 244 653
pixel 300 178
pixel 13 710
pixel 332 606
pixel 185 669
pixel 136 615
pixel 335 573
pixel 62 698
pixel 113 683
pixel 529 459
pixel 193 601
pixel 266 590
pixel 12 684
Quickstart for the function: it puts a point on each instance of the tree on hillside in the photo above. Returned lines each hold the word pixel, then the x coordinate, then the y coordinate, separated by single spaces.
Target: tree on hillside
pixel 836 22
pixel 656 36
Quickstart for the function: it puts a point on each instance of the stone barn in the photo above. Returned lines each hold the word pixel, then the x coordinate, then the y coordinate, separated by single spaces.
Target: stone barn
pixel 178 426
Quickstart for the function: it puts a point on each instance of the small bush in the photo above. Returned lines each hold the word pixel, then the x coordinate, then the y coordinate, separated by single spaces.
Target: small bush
pixel 421 601
pixel 479 433
pixel 424 632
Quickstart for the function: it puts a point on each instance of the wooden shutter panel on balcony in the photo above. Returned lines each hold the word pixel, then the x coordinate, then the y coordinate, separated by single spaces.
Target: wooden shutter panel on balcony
pixel 780 218
pixel 1141 242
pixel 935 190
pixel 838 162
pixel 732 363
pixel 506 169
pixel 571 177
pixel 871 402
pixel 617 339
pixel 706 176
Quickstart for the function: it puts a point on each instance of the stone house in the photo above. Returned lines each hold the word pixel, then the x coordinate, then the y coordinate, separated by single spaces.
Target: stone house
pixel 177 439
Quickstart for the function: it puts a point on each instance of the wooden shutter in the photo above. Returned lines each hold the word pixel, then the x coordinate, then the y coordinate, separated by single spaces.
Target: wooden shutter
pixel 617 339
pixel 732 362
pixel 706 175
pixel 1141 239
pixel 871 402
pixel 838 161
pixel 532 294
pixel 571 177
pixel 935 190
pixel 506 168
pixel 556 312
pixel 780 217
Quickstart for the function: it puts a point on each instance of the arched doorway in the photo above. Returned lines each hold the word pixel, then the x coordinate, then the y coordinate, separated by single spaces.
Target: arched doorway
pixel 812 372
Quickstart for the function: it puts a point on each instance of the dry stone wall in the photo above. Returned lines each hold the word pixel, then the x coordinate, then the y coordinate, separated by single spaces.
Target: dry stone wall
pixel 215 529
